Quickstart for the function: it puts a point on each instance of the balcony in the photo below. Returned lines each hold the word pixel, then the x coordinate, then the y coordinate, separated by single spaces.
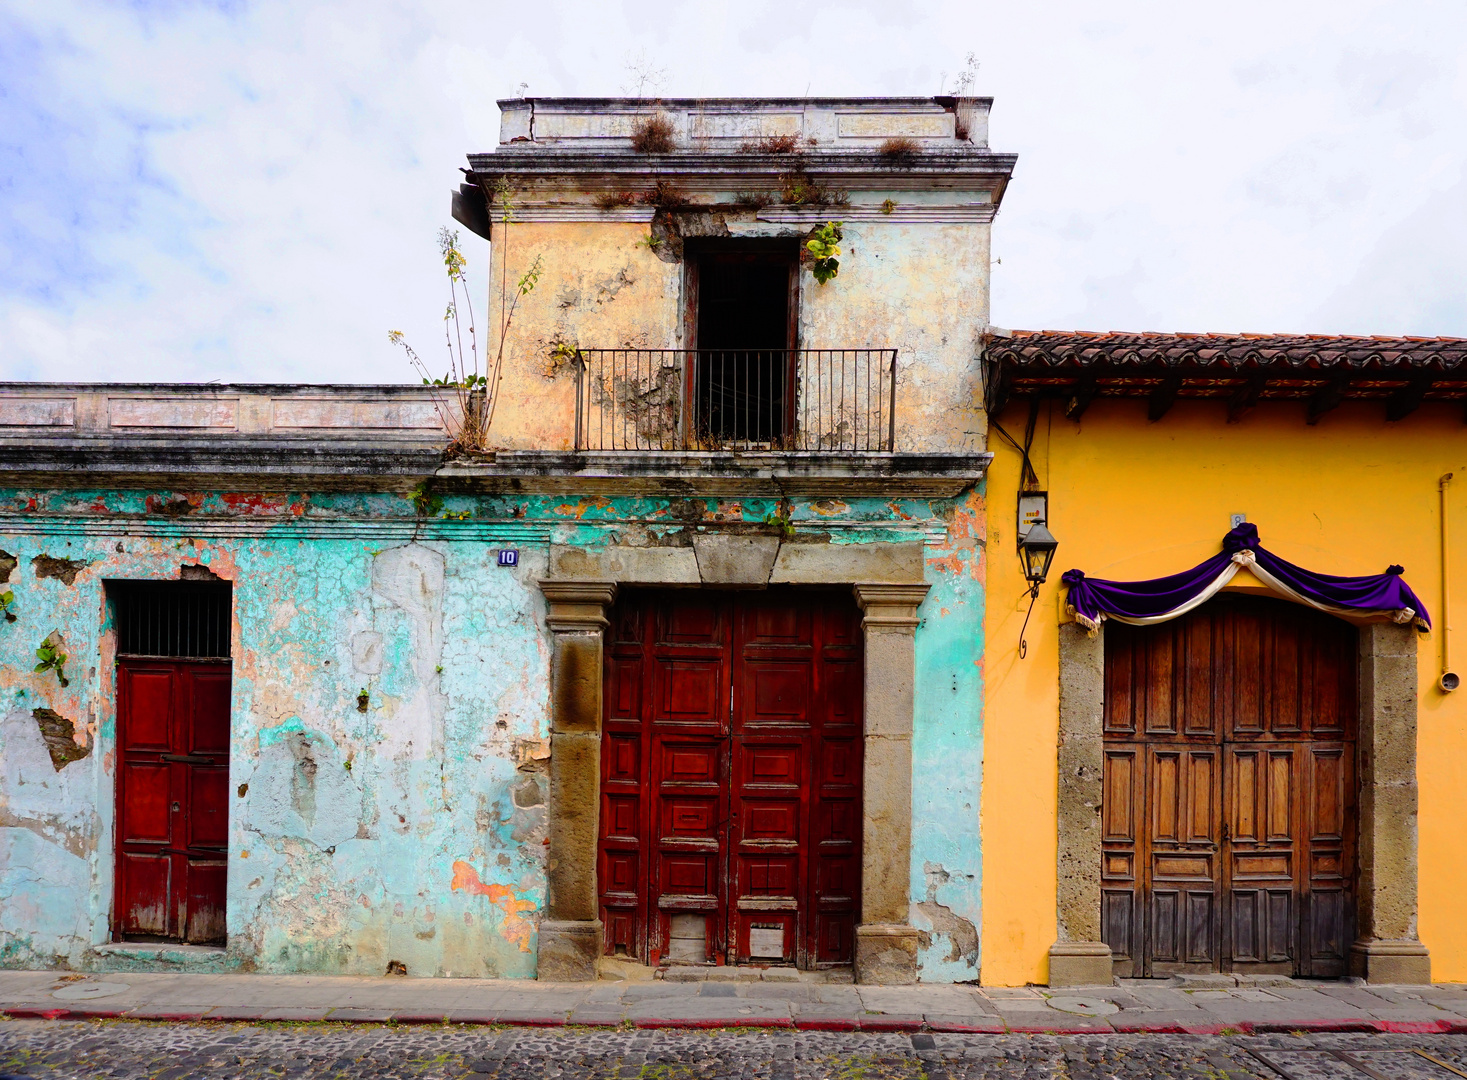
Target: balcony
pixel 736 400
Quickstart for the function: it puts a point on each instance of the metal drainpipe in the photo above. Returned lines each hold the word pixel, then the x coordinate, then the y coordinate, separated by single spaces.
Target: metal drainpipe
pixel 1449 680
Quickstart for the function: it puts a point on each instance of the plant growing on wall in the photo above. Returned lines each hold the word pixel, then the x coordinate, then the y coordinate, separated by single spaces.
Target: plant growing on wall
pixel 53 659
pixel 461 404
pixel 824 248
pixel 6 599
pixel 653 134
pixel 781 520
pixel 471 394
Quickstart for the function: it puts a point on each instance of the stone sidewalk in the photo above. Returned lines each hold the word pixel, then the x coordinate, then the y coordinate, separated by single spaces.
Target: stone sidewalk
pixel 1187 1006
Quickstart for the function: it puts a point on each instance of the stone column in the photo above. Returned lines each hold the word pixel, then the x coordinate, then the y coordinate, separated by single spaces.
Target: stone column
pixel 1387 949
pixel 1080 957
pixel 886 942
pixel 570 932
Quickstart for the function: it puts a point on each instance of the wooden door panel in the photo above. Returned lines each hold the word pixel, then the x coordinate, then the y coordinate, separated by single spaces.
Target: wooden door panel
pixel 624 687
pixel 1262 926
pixel 1235 851
pixel 1122 808
pixel 172 799
pixel 1262 884
pixel 693 619
pixel 1198 717
pixel 146 815
pixel 204 901
pixel 777 693
pixel 146 694
pixel 1182 934
pixel 731 777
pixel 622 862
pixel 206 824
pixel 1329 833
pixel 690 690
pixel 208 690
pixel 145 904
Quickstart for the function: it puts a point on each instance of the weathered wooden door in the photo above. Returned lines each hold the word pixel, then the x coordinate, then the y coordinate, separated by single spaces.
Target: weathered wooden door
pixel 731 778
pixel 1228 816
pixel 172 799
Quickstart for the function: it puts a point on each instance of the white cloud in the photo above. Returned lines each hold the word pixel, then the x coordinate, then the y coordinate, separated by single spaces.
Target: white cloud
pixel 251 190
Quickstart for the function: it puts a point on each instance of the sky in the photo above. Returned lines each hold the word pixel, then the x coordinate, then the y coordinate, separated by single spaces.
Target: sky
pixel 250 191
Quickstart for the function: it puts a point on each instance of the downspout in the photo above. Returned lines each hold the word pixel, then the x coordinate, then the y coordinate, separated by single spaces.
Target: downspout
pixel 1449 679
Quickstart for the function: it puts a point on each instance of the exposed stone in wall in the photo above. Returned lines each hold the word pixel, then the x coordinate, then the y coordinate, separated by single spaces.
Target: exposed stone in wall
pixel 8 563
pixel 961 933
pixel 60 736
pixel 65 570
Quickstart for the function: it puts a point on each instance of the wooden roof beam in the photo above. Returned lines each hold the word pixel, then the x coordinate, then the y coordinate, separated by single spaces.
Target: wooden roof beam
pixel 1083 393
pixel 1164 396
pixel 1245 398
pixel 1329 397
pixel 1405 401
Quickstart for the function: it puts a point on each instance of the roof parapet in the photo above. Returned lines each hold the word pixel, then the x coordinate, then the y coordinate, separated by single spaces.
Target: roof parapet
pixel 734 125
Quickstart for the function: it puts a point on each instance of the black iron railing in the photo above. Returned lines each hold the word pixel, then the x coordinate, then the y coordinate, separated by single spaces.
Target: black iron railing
pixel 735 399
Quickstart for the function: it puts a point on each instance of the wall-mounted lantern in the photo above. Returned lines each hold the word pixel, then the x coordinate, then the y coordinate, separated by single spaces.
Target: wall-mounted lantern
pixel 1036 550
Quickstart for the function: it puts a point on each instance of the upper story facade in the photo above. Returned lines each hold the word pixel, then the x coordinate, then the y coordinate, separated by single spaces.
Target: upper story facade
pixel 676 308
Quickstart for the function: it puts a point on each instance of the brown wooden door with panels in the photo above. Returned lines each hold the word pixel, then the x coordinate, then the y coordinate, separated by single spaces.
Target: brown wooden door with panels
pixel 1229 810
pixel 731 778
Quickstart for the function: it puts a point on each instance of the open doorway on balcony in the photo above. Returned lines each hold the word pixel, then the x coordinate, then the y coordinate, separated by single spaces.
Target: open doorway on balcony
pixel 744 314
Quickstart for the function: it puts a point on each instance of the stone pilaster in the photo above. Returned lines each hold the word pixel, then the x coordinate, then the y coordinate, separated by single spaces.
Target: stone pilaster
pixel 1080 957
pixel 570 932
pixel 886 942
pixel 1387 949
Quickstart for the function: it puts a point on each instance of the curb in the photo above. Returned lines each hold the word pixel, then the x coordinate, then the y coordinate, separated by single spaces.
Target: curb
pixel 895 1024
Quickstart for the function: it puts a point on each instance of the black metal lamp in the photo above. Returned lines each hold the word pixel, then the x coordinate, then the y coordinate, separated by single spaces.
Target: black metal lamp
pixel 1037 552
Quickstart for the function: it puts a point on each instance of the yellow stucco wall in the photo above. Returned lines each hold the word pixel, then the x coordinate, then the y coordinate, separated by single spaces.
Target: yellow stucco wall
pixel 1131 499
pixel 598 288
pixel 919 288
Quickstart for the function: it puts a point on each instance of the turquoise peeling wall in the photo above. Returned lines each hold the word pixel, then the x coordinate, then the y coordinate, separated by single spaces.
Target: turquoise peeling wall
pixel 413 832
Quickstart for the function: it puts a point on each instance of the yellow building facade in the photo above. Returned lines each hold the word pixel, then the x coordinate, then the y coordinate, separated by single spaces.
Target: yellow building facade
pixel 1145 450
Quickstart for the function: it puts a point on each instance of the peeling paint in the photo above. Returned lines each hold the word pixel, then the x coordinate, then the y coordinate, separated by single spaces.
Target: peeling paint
pixel 346 826
pixel 515 927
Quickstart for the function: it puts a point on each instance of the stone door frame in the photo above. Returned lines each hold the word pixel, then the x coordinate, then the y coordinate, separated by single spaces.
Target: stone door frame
pixel 887 580
pixel 1387 948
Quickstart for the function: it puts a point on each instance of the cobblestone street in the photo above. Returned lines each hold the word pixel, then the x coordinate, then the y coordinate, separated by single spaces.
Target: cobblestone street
pixel 163 1051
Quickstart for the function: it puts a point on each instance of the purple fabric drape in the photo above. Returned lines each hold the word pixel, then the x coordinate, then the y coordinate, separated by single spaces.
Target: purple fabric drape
pixel 1159 599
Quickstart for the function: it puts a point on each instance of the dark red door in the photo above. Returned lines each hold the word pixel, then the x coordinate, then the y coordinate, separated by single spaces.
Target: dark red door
pixel 731 778
pixel 172 799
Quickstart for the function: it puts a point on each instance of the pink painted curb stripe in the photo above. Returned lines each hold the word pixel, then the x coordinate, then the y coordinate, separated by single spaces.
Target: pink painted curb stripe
pixel 873 1024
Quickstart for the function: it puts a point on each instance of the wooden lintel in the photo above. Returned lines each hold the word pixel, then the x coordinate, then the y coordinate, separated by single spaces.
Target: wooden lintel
pixel 1329 397
pixel 1405 401
pixel 1245 399
pixel 1163 397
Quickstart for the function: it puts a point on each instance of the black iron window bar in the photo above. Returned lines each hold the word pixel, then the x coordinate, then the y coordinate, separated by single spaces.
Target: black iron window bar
pixel 736 399
pixel 171 618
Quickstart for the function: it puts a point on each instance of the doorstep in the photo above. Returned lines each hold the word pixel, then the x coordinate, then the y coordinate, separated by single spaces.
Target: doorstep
pixel 743 973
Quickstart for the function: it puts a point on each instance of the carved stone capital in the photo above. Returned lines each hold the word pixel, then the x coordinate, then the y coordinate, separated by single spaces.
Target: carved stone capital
pixel 577 606
pixel 889 608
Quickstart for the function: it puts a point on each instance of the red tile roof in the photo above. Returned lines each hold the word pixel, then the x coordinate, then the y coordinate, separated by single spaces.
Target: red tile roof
pixel 1084 348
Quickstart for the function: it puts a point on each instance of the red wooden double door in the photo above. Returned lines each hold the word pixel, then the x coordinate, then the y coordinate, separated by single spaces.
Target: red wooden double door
pixel 1228 815
pixel 731 778
pixel 172 799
